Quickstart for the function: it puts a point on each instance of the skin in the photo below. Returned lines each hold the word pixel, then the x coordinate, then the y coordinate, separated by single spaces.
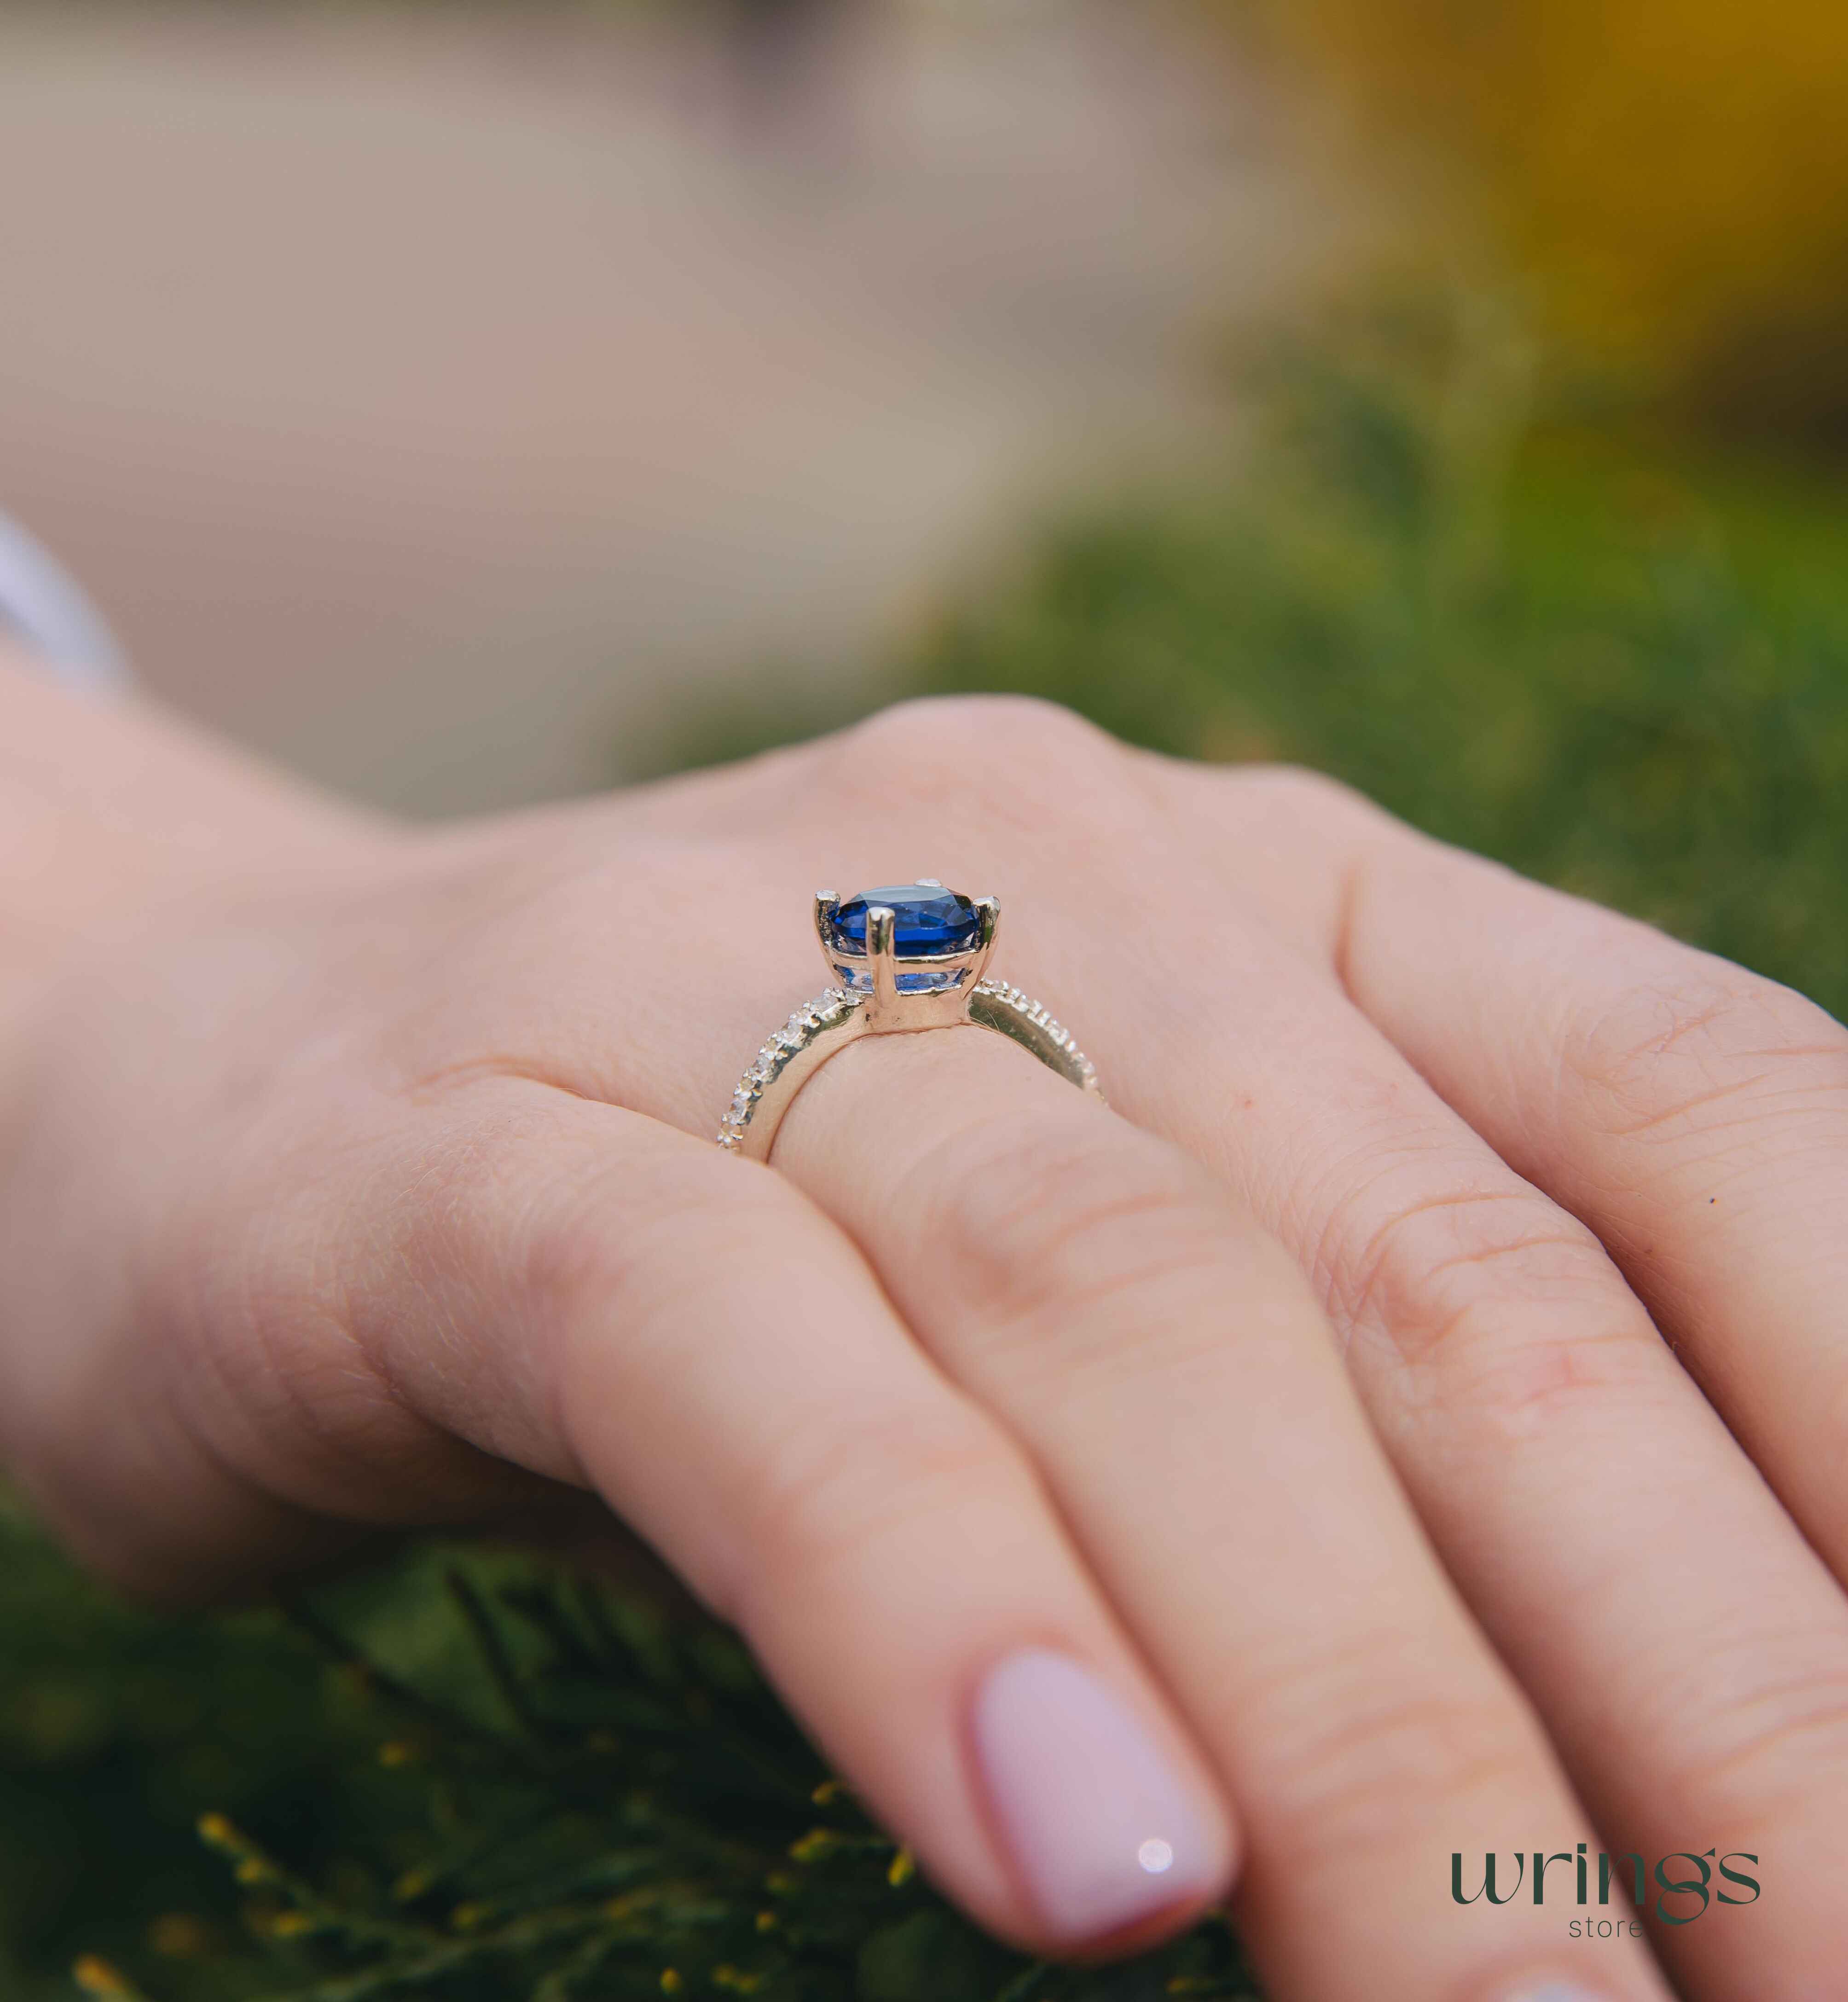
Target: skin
pixel 1419 1398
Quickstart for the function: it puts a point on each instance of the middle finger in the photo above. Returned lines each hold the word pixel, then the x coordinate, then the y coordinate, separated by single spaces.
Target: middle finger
pixel 1687 1648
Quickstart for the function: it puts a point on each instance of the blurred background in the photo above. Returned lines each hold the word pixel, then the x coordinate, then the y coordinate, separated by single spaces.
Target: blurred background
pixel 473 404
pixel 438 397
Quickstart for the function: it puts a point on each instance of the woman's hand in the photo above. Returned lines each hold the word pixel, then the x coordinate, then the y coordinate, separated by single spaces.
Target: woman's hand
pixel 1278 1481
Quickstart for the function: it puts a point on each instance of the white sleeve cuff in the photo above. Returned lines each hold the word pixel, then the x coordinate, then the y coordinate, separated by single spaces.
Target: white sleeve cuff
pixel 42 603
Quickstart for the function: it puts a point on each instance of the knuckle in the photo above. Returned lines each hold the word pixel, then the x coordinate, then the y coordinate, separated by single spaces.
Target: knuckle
pixel 594 1237
pixel 1513 1300
pixel 1300 794
pixel 819 1488
pixel 961 727
pixel 830 1490
pixel 977 745
pixel 1354 1750
pixel 569 1259
pixel 1055 1225
pixel 604 1249
pixel 281 1367
pixel 1756 1723
pixel 1708 1048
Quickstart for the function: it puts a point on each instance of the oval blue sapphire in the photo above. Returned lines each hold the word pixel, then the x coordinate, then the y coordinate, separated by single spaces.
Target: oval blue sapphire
pixel 927 921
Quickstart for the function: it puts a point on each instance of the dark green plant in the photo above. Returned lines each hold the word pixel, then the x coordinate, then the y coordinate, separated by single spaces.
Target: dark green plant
pixel 465 1774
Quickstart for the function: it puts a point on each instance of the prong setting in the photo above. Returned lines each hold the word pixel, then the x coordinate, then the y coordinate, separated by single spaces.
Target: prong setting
pixel 888 984
pixel 882 957
pixel 917 958
pixel 989 909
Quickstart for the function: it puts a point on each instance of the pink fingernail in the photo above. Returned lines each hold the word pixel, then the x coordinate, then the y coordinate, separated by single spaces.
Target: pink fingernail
pixel 1555 1991
pixel 1100 1828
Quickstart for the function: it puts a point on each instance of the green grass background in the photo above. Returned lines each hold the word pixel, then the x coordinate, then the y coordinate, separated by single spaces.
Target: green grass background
pixel 1618 662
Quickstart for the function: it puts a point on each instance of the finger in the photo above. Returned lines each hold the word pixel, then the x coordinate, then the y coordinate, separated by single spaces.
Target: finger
pixel 575 1288
pixel 177 1390
pixel 1695 1115
pixel 1168 1370
pixel 1687 1650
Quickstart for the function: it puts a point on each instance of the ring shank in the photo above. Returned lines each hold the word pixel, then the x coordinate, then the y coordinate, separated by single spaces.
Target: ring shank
pixel 827 1025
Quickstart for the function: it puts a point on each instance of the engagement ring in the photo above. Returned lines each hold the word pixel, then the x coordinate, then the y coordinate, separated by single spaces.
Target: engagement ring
pixel 908 957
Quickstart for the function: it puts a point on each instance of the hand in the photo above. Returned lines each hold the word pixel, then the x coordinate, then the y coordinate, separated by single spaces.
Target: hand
pixel 1283 1468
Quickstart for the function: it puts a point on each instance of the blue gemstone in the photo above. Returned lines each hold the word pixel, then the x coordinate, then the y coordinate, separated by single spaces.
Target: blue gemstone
pixel 926 923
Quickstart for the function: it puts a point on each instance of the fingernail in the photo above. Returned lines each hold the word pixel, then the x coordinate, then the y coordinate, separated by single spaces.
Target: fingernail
pixel 1554 1991
pixel 1100 1828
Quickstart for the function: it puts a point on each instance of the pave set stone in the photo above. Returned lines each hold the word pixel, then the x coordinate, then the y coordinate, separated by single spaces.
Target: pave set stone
pixel 796 1034
pixel 829 1008
pixel 1055 1032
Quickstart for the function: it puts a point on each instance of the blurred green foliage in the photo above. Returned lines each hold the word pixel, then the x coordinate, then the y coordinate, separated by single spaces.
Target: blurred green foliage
pixel 1614 664
pixel 1620 665
pixel 1617 661
pixel 461 1773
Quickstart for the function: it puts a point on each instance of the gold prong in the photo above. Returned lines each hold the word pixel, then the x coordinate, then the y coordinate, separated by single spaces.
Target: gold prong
pixel 989 911
pixel 882 956
pixel 827 903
